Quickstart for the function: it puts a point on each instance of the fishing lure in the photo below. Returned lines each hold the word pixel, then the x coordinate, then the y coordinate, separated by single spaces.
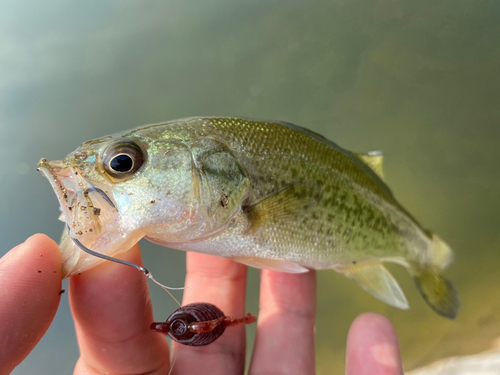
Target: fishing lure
pixel 198 324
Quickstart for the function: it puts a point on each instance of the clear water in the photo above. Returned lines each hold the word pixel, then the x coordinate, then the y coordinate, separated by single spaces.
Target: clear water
pixel 417 79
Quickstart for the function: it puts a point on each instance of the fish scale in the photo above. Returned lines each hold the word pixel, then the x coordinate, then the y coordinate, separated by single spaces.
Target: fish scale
pixel 352 215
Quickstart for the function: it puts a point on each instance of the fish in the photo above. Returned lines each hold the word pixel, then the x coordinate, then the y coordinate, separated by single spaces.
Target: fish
pixel 268 194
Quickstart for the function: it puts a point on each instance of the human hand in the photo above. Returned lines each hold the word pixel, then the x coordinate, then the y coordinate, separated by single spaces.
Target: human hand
pixel 112 341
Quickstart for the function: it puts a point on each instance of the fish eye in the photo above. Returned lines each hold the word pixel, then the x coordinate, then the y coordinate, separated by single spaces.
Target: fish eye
pixel 123 159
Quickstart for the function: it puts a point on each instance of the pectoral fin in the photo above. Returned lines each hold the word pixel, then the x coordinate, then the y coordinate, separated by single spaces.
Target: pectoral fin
pixel 271 264
pixel 291 202
pixel 375 279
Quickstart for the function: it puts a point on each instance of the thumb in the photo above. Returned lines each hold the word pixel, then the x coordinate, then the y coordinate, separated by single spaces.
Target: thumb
pixel 30 280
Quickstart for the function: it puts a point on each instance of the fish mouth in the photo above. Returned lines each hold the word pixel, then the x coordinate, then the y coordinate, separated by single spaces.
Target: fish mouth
pixel 91 217
pixel 87 209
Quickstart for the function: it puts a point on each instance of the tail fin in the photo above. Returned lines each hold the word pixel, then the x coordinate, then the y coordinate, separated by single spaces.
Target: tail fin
pixel 439 293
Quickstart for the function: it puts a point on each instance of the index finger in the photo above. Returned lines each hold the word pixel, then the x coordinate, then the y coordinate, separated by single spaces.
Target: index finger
pixel 113 312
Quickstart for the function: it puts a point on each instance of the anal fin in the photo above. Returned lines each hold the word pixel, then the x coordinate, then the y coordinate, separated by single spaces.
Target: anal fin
pixel 278 265
pixel 377 280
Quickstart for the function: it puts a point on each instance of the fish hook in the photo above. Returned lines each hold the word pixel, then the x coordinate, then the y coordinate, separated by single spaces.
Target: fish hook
pixel 103 194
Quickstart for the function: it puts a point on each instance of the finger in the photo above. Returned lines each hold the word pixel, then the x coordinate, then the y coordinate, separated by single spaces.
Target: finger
pixel 113 313
pixel 221 282
pixel 372 347
pixel 285 332
pixel 30 276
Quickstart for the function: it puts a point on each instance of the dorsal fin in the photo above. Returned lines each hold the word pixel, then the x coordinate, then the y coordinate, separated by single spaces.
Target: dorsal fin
pixel 374 160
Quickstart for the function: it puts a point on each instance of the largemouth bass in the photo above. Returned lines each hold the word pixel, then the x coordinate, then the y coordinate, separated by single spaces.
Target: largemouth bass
pixel 270 195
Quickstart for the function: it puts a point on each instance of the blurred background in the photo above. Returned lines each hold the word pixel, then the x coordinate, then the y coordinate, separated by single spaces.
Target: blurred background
pixel 419 80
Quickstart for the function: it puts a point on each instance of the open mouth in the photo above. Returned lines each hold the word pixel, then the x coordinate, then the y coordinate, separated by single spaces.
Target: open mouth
pixel 87 209
pixel 63 180
pixel 91 217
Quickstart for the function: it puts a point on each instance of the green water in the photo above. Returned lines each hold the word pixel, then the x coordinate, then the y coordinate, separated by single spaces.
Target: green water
pixel 419 80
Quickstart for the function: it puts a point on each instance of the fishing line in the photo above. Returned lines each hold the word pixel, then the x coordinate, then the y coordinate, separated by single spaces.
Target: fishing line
pixel 142 269
pixel 175 355
pixel 103 194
